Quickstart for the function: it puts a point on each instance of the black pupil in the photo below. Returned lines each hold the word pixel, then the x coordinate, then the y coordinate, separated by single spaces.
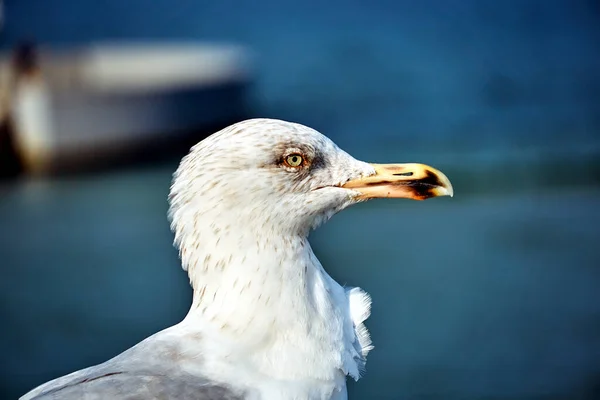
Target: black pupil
pixel 295 159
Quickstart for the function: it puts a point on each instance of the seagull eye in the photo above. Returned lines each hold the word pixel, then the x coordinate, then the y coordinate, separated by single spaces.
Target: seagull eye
pixel 294 160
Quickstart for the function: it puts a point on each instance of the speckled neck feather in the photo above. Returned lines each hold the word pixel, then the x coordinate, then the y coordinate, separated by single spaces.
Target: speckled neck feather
pixel 241 223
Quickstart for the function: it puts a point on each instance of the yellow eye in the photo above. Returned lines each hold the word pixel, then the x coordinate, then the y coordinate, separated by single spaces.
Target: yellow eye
pixel 294 160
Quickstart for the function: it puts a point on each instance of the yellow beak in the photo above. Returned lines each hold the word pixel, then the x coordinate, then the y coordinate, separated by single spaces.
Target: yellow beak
pixel 409 181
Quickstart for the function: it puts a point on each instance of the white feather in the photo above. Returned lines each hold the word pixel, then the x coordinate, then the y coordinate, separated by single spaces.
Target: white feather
pixel 266 320
pixel 261 296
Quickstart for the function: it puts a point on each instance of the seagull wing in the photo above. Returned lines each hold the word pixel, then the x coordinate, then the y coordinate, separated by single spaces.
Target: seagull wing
pixel 127 385
pixel 149 370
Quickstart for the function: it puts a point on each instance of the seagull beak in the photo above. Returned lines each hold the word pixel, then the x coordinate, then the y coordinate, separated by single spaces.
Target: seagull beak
pixel 409 181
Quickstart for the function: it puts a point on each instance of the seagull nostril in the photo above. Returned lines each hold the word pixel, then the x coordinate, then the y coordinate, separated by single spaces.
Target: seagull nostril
pixel 404 174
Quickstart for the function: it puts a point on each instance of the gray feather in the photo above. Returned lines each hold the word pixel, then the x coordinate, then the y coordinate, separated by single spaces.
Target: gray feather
pixel 149 370
pixel 130 386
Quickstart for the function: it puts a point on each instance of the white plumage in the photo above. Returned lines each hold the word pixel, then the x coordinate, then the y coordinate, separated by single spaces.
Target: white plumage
pixel 267 321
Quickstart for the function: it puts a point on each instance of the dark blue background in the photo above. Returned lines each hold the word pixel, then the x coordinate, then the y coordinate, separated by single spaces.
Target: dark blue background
pixel 490 295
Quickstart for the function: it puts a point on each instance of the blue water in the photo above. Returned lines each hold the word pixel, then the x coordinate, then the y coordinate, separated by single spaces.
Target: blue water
pixel 487 296
pixel 469 72
pixel 490 295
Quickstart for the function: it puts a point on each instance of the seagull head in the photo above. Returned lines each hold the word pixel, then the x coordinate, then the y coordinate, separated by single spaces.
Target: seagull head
pixel 242 204
pixel 283 175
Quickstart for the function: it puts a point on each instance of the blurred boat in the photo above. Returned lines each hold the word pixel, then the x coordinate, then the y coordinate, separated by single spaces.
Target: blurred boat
pixel 80 106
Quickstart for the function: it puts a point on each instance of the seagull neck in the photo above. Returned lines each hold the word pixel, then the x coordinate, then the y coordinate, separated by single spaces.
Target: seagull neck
pixel 244 282
pixel 267 304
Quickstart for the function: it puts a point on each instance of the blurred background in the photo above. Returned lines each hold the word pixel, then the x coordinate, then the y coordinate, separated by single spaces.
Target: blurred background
pixel 493 294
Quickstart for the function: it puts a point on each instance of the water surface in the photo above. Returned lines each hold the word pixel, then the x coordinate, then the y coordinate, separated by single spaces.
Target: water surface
pixel 479 296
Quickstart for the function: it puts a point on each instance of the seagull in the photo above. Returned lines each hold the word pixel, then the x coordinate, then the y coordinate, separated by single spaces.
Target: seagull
pixel 266 320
